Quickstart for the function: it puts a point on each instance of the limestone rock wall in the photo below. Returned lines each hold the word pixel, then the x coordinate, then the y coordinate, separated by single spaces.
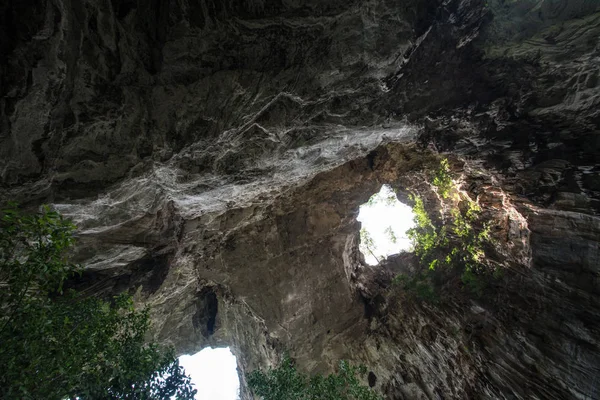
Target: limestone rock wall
pixel 214 156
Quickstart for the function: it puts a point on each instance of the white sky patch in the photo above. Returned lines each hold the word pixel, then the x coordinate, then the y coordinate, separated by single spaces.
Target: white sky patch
pixel 384 221
pixel 214 373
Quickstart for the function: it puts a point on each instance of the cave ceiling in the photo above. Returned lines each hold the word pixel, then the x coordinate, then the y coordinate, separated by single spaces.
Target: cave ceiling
pixel 214 154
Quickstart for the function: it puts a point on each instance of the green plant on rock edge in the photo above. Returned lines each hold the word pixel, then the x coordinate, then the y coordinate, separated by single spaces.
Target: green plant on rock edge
pixel 442 179
pixel 425 237
pixel 456 245
pixel 285 382
pixel 419 285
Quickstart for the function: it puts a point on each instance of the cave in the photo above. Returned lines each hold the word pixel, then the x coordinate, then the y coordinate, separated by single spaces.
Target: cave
pixel 215 156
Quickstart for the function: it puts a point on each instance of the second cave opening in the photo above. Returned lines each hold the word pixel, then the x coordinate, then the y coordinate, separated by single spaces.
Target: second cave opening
pixel 214 373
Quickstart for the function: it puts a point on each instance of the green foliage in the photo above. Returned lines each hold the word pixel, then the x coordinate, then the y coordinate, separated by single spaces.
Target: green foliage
pixel 460 247
pixel 32 257
pixel 456 245
pixel 473 282
pixel 59 345
pixel 468 249
pixel 425 237
pixel 442 179
pixel 286 383
pixel 498 273
pixel 418 285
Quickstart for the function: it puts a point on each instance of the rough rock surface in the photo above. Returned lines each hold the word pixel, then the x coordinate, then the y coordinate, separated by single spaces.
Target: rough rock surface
pixel 214 155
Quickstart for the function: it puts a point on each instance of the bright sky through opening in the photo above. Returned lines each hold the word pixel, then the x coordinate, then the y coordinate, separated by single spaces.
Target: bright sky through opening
pixel 214 373
pixel 384 224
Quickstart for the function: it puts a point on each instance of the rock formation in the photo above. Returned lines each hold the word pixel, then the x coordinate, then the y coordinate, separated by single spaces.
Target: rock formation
pixel 214 155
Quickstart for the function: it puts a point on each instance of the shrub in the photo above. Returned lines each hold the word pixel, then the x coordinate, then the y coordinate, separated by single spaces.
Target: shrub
pixel 285 382
pixel 473 281
pixel 425 237
pixel 456 245
pixel 418 285
pixel 442 179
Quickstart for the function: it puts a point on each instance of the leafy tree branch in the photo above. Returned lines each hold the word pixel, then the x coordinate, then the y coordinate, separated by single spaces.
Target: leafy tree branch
pixel 285 382
pixel 58 345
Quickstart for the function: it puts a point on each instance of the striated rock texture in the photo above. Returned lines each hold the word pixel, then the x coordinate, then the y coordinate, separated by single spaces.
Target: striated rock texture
pixel 214 155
